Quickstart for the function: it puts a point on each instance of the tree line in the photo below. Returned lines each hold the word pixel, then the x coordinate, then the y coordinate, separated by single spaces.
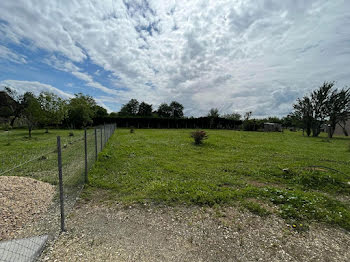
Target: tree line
pixel 135 109
pixel 49 110
pixel 325 106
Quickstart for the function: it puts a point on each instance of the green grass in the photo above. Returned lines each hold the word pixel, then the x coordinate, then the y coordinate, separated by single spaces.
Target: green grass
pixel 17 149
pixel 305 178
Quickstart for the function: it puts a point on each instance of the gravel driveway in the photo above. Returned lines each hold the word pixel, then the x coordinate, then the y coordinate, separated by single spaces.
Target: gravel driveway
pixel 23 201
pixel 108 231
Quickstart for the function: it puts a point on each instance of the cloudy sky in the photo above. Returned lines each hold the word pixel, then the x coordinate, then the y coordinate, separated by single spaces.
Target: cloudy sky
pixel 236 55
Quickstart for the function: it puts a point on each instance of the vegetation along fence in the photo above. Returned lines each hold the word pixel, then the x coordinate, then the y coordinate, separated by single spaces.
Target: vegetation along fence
pixel 191 123
pixel 39 186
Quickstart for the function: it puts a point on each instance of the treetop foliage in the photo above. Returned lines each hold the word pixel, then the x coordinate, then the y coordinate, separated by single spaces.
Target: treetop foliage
pixel 324 105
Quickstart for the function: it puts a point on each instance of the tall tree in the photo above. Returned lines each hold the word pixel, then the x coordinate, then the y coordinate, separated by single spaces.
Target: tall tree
pixel 323 104
pixel 338 109
pixel 164 110
pixel 54 109
pixel 100 112
pixel 32 111
pixel 145 109
pixel 247 115
pixel 130 109
pixel 81 110
pixel 176 109
pixel 10 105
pixel 303 110
pixel 213 113
pixel 319 100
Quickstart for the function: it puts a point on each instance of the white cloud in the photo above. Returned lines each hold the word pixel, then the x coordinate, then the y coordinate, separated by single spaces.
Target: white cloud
pixel 33 86
pixel 36 88
pixel 236 55
pixel 7 54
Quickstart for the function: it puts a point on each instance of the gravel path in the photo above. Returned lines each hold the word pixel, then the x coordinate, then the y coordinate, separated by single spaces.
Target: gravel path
pixel 22 200
pixel 101 231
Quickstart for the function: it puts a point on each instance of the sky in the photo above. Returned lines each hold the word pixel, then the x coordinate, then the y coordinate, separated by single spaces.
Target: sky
pixel 234 55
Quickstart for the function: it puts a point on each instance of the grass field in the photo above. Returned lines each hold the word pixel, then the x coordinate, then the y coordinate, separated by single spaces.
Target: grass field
pixel 301 179
pixel 16 149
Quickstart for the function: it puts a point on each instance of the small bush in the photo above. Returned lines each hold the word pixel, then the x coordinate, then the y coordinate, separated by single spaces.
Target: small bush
pixel 132 130
pixel 71 134
pixel 199 136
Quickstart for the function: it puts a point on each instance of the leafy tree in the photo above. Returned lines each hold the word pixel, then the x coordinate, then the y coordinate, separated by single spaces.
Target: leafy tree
pixel 233 116
pixel 81 110
pixel 164 110
pixel 54 109
pixel 32 111
pixel 130 109
pixel 303 110
pixel 338 108
pixel 319 101
pixel 342 124
pixel 292 120
pixel 322 105
pixel 247 115
pixel 113 114
pixel 10 105
pixel 214 113
pixel 176 109
pixel 145 109
pixel 100 112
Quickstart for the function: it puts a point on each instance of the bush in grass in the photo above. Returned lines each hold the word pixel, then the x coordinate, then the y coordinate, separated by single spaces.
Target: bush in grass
pixel 132 130
pixel 199 136
pixel 71 134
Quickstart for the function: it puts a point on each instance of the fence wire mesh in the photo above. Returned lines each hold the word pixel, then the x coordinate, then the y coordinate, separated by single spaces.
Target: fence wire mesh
pixel 29 190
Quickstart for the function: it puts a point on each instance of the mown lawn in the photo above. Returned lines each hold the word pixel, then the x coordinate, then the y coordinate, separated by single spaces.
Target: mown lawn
pixel 302 179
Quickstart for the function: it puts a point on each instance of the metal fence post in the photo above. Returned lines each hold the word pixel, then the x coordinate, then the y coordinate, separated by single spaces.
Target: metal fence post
pixel 95 144
pixel 60 180
pixel 104 128
pixel 101 139
pixel 86 159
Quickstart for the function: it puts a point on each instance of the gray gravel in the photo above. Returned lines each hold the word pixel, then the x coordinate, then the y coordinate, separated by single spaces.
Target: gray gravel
pixel 23 201
pixel 101 231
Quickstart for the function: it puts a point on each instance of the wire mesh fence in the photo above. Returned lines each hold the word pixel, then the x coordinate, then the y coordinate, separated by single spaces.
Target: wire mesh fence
pixel 34 202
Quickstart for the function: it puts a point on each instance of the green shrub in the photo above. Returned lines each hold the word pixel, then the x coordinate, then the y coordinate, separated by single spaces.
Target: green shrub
pixel 251 125
pixel 71 134
pixel 199 136
pixel 132 130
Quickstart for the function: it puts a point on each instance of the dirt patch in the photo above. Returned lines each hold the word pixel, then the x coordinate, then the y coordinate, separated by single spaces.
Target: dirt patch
pixel 22 200
pixel 100 231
